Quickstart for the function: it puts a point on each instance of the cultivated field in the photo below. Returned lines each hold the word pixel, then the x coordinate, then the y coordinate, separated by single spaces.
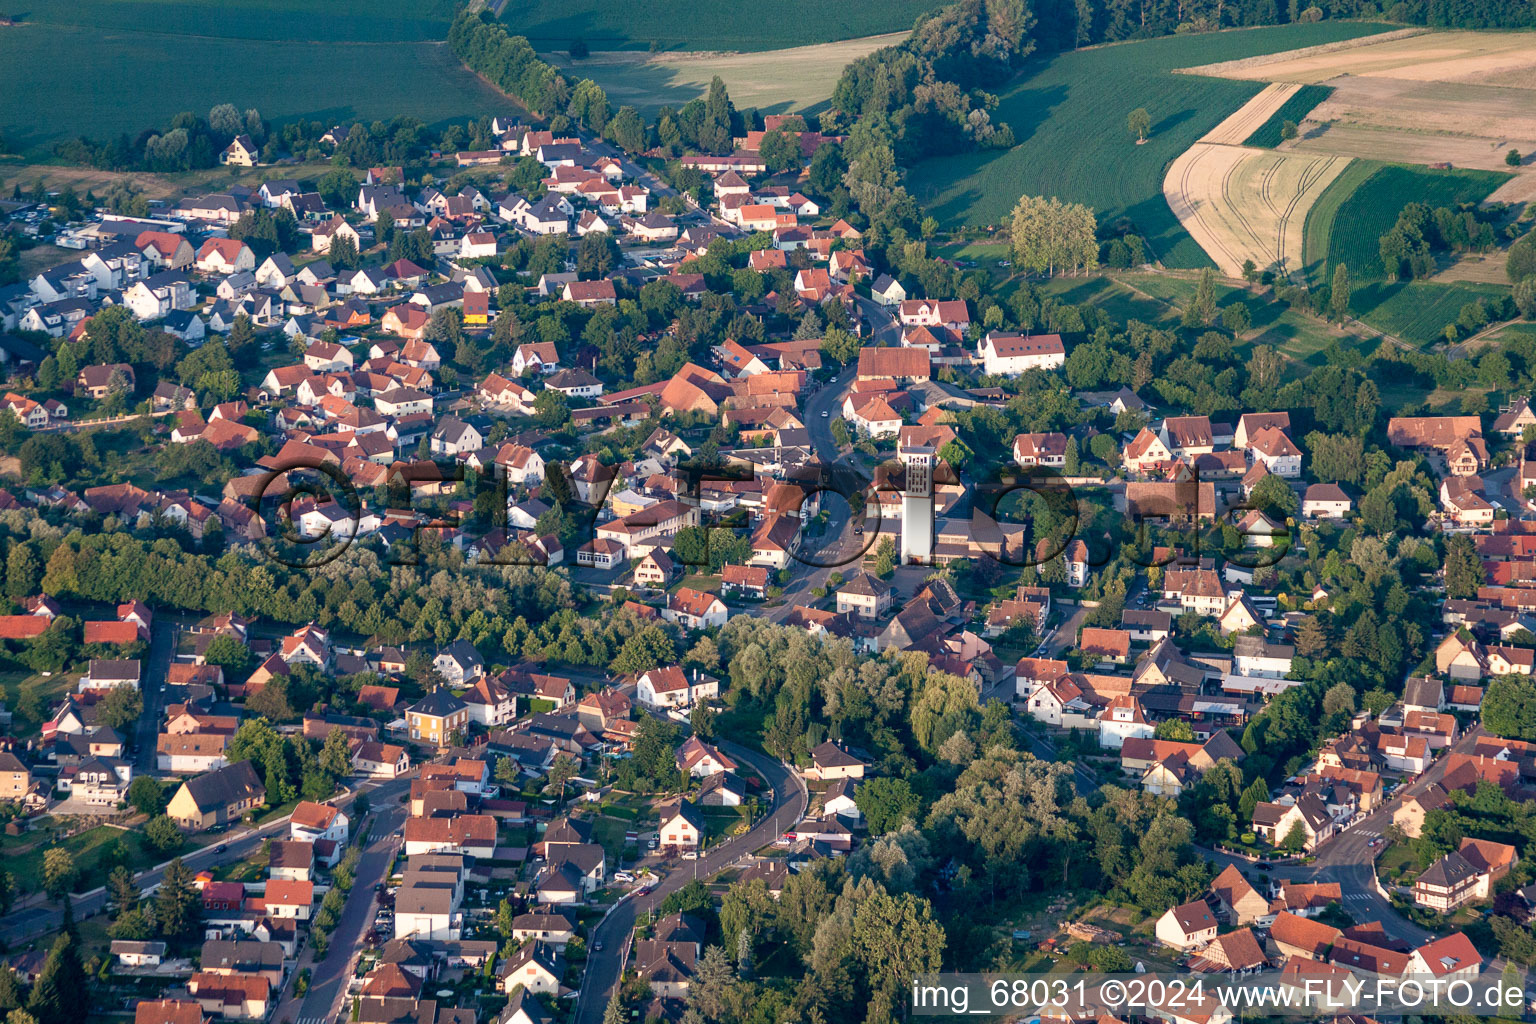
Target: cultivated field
pixel 46 99
pixel 374 21
pixel 1369 207
pixel 1295 109
pixel 1464 98
pixel 1417 311
pixel 1476 268
pixel 1490 58
pixel 705 24
pixel 1241 203
pixel 773 81
pixel 1251 116
pixel 1069 111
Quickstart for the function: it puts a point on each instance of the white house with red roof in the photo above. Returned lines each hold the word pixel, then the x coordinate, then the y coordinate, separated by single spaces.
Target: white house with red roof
pixel 224 256
pixel 700 760
pixel 313 821
pixel 1122 720
pixel 309 645
pixel 1004 353
pixel 671 687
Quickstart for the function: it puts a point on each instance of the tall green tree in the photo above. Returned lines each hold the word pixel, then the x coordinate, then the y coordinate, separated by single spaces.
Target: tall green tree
pixel 715 133
pixel 1140 123
pixel 176 901
pixel 59 872
pixel 62 993
pixel 1338 296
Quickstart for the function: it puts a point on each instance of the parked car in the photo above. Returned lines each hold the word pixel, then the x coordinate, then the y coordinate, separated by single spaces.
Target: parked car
pixel 690 855
pixel 623 876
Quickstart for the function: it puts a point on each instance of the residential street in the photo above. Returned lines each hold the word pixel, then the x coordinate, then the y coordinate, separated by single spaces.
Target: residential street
pixel 839 550
pixel 162 652
pixel 1349 859
pixel 36 915
pixel 612 933
pixel 328 979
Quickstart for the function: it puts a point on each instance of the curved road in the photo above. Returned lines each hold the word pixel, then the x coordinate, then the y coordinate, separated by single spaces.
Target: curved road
pixel 602 972
pixel 1350 860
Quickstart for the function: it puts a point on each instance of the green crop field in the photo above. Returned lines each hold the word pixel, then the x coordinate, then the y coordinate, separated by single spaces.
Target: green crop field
pixel 1346 225
pixel 1317 233
pixel 117 81
pixel 371 21
pixel 1416 311
pixel 1294 109
pixel 1068 113
pixel 704 24
pixel 1370 208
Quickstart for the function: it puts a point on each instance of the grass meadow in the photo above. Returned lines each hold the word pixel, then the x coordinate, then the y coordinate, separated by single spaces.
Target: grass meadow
pixel 799 78
pixel 1157 298
pixel 1068 113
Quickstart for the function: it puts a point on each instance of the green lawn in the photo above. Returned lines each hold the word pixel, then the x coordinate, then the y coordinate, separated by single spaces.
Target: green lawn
pixel 96 852
pixel 1112 296
pixel 34 691
pixel 976 252
pixel 705 582
pixel 1068 113
pixel 307 74
pixel 721 822
pixel 1293 110
pixel 705 24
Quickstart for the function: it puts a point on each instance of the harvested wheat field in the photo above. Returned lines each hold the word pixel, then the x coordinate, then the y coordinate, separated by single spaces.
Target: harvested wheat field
pixel 1479 58
pixel 1476 268
pixel 1461 98
pixel 1248 118
pixel 774 81
pixel 1242 203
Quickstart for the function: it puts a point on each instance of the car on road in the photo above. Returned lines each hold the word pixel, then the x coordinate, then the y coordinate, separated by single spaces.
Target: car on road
pixel 597 947
pixel 824 414
pixel 221 848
